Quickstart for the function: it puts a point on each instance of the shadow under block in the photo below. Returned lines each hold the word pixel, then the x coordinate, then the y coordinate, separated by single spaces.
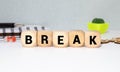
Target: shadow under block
pixel 28 38
pixel 60 39
pixel 44 38
pixel 92 39
pixel 76 38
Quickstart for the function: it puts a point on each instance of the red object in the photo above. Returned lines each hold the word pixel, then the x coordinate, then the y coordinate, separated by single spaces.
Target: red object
pixel 11 39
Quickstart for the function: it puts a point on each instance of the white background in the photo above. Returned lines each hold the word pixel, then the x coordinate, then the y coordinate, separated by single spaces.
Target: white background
pixel 60 14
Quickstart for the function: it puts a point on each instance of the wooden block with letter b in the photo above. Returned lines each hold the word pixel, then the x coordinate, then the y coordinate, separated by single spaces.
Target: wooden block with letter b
pixel 28 38
pixel 92 39
pixel 76 38
pixel 60 39
pixel 44 38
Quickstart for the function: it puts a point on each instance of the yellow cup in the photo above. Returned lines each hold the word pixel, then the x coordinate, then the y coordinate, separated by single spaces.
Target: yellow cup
pixel 102 28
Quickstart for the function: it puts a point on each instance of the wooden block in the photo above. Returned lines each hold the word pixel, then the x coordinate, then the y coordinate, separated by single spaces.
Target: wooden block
pixel 76 38
pixel 92 39
pixel 44 38
pixel 60 39
pixel 28 38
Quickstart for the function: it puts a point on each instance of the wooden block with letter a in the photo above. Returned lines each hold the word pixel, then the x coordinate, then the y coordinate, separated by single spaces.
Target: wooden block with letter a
pixel 92 39
pixel 76 38
pixel 28 38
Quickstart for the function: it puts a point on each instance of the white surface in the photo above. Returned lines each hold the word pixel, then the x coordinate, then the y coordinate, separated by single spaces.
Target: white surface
pixel 15 58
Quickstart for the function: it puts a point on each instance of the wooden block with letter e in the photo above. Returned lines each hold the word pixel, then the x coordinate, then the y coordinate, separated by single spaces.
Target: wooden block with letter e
pixel 28 38
pixel 92 39
pixel 76 38
pixel 44 38
pixel 60 39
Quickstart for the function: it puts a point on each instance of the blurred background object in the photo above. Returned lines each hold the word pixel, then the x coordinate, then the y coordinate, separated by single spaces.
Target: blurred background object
pixel 98 24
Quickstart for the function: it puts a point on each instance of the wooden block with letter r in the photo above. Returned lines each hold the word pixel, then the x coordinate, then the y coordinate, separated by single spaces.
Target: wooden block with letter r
pixel 76 38
pixel 28 38
pixel 60 39
pixel 44 38
pixel 92 39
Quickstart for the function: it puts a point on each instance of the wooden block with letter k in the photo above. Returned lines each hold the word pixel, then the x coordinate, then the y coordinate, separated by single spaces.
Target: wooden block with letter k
pixel 92 39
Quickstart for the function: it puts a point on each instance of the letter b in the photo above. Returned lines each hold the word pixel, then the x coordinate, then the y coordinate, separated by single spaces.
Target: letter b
pixel 28 38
